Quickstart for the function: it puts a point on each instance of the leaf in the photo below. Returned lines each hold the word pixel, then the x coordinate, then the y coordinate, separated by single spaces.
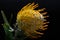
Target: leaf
pixel 6 26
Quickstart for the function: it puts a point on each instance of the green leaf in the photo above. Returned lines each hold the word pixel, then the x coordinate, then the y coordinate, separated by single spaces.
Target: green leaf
pixel 6 26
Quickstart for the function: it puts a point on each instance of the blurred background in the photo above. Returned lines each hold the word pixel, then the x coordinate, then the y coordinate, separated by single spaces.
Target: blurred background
pixel 13 6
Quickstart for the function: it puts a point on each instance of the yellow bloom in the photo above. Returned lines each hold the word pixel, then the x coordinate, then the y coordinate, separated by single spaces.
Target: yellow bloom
pixel 30 20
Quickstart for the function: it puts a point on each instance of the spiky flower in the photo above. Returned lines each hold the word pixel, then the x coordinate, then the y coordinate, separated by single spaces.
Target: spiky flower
pixel 30 20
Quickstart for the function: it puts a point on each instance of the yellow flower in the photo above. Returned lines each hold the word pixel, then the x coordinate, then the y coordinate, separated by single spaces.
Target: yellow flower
pixel 30 20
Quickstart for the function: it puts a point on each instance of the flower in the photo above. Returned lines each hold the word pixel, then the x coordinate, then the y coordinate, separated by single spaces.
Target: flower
pixel 30 20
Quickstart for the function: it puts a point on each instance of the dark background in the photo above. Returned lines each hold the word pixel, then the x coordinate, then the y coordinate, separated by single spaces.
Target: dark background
pixel 53 9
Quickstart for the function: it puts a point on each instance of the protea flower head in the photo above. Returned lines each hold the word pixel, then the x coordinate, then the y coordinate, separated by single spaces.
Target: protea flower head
pixel 30 20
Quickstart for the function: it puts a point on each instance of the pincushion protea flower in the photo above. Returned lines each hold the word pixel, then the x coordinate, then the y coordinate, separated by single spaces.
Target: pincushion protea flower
pixel 30 20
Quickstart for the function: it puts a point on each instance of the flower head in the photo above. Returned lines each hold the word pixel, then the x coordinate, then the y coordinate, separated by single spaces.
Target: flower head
pixel 30 20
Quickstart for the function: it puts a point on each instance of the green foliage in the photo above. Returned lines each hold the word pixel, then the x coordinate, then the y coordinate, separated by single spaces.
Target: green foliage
pixel 19 35
pixel 6 26
pixel 9 35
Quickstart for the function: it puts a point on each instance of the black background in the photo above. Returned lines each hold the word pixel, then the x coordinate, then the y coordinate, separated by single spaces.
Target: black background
pixel 52 6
